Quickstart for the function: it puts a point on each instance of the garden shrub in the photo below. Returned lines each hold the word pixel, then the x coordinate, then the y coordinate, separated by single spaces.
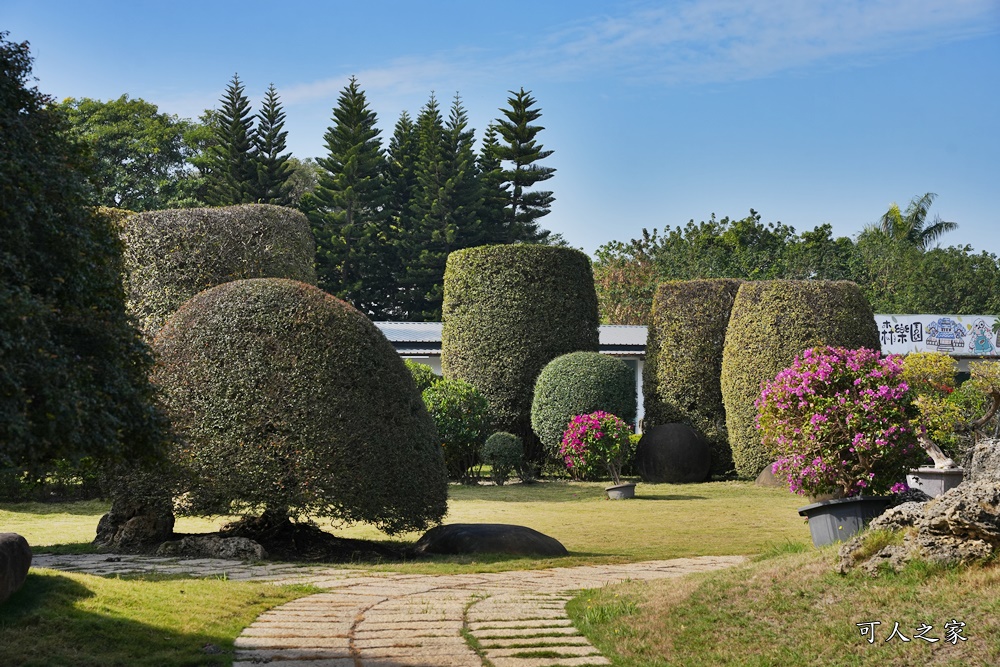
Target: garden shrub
pixel 508 310
pixel 284 397
pixel 461 416
pixel 172 255
pixel 680 380
pixel 580 383
pixel 423 375
pixel 772 321
pixel 504 453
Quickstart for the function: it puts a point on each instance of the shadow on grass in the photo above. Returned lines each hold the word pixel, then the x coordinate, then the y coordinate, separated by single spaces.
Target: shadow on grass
pixel 76 507
pixel 68 548
pixel 45 623
pixel 646 496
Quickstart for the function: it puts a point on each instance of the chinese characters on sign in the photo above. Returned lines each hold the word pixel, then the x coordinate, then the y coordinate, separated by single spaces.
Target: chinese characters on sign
pixel 957 335
pixel 953 632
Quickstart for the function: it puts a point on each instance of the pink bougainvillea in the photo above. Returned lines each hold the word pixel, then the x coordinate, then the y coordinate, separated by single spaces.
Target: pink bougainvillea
pixel 840 420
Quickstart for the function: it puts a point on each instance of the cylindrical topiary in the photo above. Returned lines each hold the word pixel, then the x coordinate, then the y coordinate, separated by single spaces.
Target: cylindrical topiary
pixel 680 380
pixel 508 311
pixel 461 415
pixel 169 256
pixel 504 453
pixel 285 397
pixel 579 383
pixel 771 322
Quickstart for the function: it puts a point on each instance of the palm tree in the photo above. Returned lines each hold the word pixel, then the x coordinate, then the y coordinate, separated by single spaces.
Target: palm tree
pixel 911 225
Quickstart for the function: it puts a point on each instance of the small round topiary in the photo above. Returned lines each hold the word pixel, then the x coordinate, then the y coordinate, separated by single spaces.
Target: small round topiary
pixel 287 398
pixel 579 383
pixel 169 256
pixel 461 415
pixel 504 453
pixel 772 321
pixel 508 310
pixel 423 375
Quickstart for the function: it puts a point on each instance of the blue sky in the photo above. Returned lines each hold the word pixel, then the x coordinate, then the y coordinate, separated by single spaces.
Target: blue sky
pixel 809 111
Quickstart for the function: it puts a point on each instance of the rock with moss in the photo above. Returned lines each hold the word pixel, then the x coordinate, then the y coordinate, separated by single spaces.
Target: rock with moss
pixel 169 256
pixel 286 398
pixel 579 383
pixel 771 322
pixel 508 311
pixel 680 380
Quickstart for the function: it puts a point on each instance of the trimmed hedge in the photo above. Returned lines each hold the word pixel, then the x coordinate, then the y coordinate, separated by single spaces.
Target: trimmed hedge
pixel 771 322
pixel 680 380
pixel 286 397
pixel 508 310
pixel 579 383
pixel 172 255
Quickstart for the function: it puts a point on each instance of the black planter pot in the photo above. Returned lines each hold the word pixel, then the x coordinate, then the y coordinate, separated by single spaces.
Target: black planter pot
pixel 841 519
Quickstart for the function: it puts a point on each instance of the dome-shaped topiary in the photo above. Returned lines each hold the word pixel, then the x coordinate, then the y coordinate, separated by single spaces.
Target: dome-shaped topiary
pixel 771 322
pixel 170 256
pixel 509 310
pixel 579 383
pixel 680 380
pixel 286 397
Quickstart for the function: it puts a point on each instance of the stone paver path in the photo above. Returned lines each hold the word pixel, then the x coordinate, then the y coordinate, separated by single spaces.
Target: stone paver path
pixel 365 619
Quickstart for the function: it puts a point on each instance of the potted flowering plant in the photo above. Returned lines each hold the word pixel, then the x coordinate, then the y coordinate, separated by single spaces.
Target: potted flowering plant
pixel 840 421
pixel 599 438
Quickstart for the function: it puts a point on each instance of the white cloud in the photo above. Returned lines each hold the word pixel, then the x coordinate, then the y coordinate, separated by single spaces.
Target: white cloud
pixel 685 41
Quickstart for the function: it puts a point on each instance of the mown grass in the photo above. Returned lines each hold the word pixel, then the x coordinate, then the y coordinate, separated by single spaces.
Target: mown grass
pixel 664 521
pixel 792 609
pixel 81 620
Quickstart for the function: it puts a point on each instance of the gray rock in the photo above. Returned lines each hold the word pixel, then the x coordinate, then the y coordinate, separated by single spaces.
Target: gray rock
pixel 478 538
pixel 985 463
pixel 970 511
pixel 673 453
pixel 767 479
pixel 15 560
pixel 898 517
pixel 133 528
pixel 211 546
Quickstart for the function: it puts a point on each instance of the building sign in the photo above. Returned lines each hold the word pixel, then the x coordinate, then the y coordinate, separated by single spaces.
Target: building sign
pixel 957 335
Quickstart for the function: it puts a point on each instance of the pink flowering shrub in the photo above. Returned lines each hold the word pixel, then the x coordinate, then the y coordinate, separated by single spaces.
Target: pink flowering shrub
pixel 596 439
pixel 840 420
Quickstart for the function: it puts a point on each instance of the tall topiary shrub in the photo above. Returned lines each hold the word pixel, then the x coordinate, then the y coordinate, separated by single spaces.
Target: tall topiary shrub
pixel 771 322
pixel 575 384
pixel 508 310
pixel 289 399
pixel 680 381
pixel 172 255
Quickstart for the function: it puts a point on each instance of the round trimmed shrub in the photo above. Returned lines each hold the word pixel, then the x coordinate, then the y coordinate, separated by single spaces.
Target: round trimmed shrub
pixel 170 256
pixel 287 398
pixel 680 380
pixel 460 413
pixel 504 453
pixel 423 375
pixel 772 321
pixel 579 383
pixel 508 310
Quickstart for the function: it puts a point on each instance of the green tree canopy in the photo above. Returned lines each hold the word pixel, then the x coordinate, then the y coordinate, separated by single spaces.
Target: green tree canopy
pixel 521 154
pixel 273 169
pixel 911 225
pixel 232 177
pixel 139 154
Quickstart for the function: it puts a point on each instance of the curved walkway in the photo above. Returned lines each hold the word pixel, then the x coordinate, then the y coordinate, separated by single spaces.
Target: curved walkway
pixel 365 619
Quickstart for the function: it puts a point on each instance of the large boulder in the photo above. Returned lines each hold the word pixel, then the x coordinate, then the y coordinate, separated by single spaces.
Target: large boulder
pixel 985 462
pixel 133 527
pixel 673 453
pixel 15 559
pixel 493 538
